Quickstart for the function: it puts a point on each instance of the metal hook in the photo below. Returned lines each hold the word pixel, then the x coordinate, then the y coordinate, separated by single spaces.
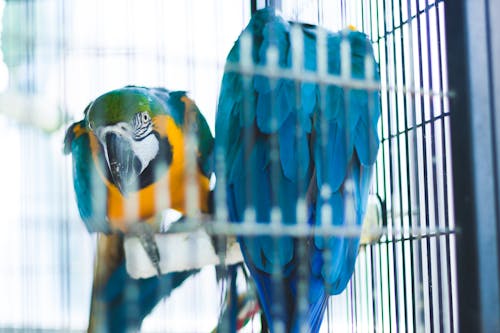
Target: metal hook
pixel 257 4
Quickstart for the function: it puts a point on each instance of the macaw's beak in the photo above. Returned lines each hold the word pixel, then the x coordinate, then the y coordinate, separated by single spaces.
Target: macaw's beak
pixel 123 164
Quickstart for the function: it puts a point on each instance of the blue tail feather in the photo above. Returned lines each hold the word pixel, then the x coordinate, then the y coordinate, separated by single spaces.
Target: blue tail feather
pixel 279 300
pixel 122 303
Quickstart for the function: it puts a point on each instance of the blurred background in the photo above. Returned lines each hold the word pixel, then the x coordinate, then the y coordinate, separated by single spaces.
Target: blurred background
pixel 56 56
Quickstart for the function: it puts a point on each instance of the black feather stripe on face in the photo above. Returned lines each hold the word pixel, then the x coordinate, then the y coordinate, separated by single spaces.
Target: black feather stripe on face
pixel 142 125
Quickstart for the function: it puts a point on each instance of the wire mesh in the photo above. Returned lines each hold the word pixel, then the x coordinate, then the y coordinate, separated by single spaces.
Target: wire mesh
pixel 65 54
pixel 406 281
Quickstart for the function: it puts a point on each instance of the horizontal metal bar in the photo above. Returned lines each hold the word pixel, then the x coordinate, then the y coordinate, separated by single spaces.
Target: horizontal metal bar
pixel 331 79
pixel 282 229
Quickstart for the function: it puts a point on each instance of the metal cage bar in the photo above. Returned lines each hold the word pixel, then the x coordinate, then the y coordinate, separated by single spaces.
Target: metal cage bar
pixel 474 76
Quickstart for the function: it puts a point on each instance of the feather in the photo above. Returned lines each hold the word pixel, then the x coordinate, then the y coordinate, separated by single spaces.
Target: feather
pixel 89 189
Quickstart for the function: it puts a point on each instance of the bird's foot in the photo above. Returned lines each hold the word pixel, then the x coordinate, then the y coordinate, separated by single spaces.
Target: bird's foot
pixel 145 233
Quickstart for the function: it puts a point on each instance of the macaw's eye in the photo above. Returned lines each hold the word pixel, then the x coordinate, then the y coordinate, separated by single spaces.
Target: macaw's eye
pixel 145 117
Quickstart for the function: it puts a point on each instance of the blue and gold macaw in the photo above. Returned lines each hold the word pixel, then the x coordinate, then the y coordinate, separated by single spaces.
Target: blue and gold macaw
pixel 129 147
pixel 297 151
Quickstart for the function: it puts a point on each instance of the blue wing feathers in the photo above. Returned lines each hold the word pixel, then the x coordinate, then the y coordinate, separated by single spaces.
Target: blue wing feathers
pixel 366 142
pixel 81 167
pixel 294 150
pixel 278 108
pixel 90 192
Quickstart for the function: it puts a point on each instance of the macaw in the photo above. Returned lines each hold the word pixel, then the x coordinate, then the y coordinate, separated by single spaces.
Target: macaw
pixel 128 156
pixel 300 152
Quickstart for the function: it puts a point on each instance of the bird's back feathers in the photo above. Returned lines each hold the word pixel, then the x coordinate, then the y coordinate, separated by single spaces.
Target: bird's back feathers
pixel 292 144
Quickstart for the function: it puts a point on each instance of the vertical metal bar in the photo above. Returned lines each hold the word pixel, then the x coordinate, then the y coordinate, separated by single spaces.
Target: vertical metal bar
pixel 343 12
pixel 365 318
pixel 355 303
pixel 391 287
pixel 320 16
pixel 272 63
pixel 376 299
pixel 381 188
pixel 407 137
pixel 274 3
pixel 65 226
pixel 493 52
pixel 416 244
pixel 447 244
pixel 370 291
pixel 297 45
pixel 425 207
pixel 434 244
pixel 253 6
pixel 475 168
pixel 396 247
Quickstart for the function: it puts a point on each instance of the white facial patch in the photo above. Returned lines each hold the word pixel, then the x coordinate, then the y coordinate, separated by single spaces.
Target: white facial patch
pixel 145 149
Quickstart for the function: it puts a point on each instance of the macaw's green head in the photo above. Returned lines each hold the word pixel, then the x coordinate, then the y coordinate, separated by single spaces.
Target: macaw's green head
pixel 122 121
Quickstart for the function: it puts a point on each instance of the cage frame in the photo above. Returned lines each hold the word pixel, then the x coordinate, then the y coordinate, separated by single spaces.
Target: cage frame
pixel 474 77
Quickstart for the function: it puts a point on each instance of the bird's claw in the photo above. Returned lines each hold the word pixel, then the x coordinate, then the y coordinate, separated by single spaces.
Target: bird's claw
pixel 145 233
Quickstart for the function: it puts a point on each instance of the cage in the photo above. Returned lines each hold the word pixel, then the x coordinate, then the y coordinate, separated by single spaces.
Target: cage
pixel 431 262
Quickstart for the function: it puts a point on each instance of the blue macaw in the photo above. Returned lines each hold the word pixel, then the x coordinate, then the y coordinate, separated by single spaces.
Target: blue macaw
pixel 129 143
pixel 297 151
